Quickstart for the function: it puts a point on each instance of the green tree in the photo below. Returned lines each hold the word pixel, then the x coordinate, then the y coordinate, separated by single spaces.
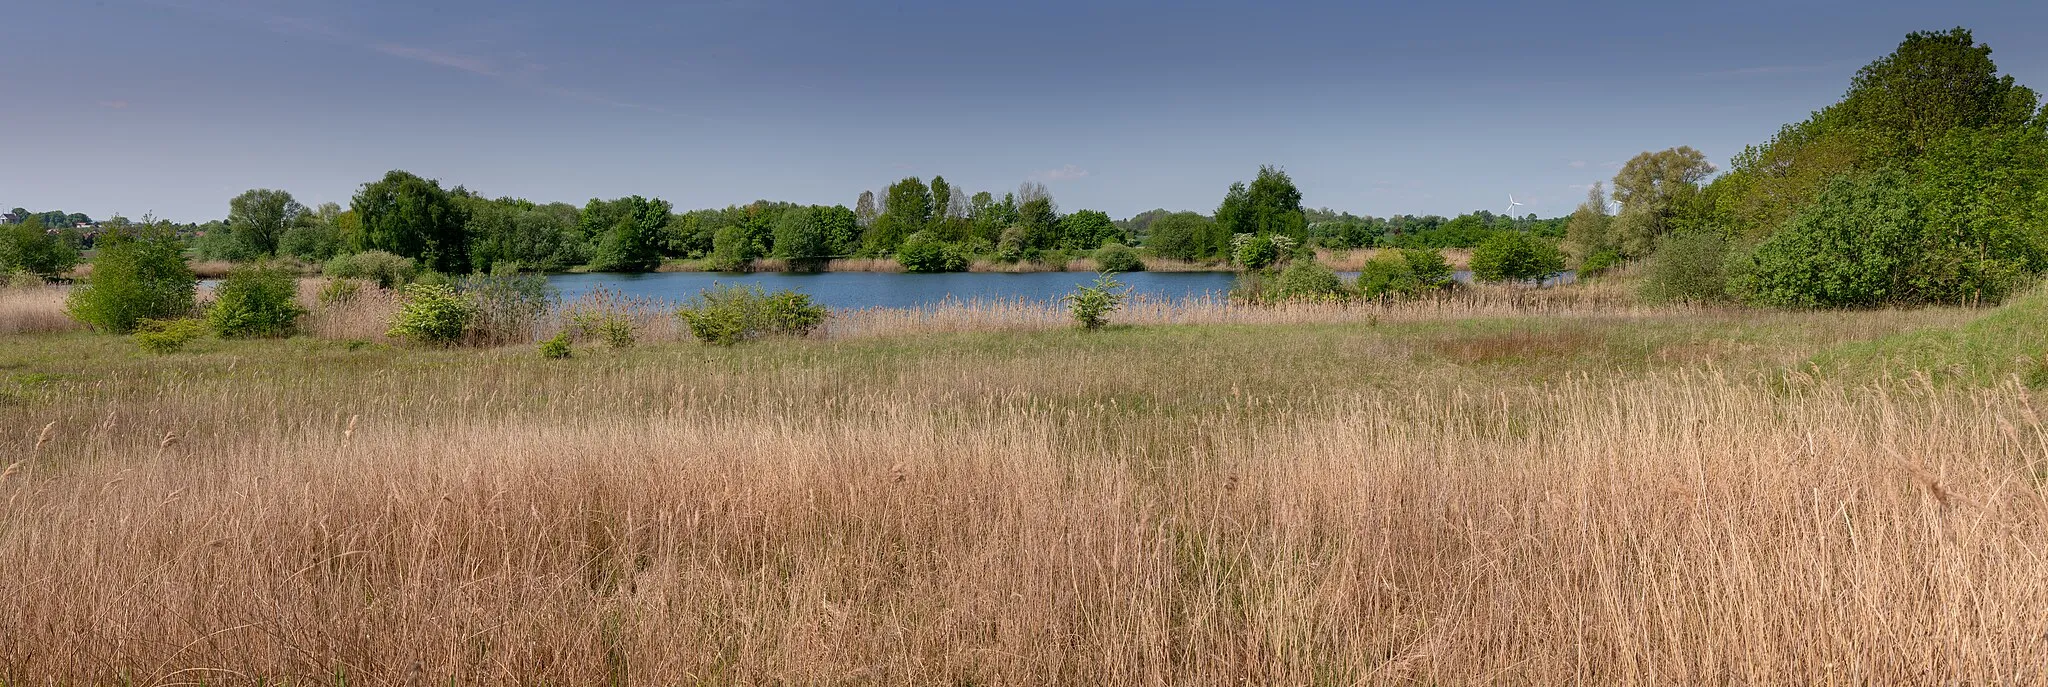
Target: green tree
pixel 815 232
pixel 28 247
pixel 1182 236
pixel 412 217
pixel 1586 231
pixel 1088 230
pixel 1270 205
pixel 258 218
pixel 627 233
pixel 906 211
pixel 1653 188
pixel 1933 83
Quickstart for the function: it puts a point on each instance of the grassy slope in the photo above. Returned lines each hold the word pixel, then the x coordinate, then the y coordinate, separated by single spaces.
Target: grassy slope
pixel 2010 340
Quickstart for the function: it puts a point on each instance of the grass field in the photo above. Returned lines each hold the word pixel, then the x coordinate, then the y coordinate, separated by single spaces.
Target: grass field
pixel 1504 494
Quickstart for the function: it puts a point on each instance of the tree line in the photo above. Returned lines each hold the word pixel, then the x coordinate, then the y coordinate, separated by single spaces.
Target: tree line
pixel 1926 183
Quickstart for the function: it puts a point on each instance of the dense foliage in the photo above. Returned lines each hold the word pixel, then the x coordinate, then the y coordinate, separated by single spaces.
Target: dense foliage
pixel 1091 304
pixel 1516 256
pixel 140 274
pixel 255 301
pixel 28 248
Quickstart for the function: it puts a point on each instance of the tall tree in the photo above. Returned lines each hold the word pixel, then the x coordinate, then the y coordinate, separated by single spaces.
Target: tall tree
pixel 413 217
pixel 1935 82
pixel 864 211
pixel 1652 188
pixel 258 217
pixel 1586 231
pixel 1270 205
pixel 906 210
pixel 942 197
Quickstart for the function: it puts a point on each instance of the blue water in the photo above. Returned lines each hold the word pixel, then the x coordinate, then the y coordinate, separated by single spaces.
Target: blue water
pixel 845 290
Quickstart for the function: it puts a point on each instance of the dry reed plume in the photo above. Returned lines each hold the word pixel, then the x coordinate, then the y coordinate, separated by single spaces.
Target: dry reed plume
pixel 1272 505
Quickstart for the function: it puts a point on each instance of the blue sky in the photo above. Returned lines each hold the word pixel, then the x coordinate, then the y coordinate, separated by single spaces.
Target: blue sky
pixel 174 106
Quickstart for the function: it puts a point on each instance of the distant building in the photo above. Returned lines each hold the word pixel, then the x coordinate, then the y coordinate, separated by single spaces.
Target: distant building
pixel 11 218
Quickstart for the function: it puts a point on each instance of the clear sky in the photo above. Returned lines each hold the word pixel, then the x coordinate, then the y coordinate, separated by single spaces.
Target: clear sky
pixel 174 106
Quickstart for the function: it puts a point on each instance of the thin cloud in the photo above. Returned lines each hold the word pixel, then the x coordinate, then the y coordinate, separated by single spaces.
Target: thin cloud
pixel 473 65
pixel 1065 173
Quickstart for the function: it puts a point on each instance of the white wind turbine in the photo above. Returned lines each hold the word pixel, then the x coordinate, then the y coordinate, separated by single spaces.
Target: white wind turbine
pixel 1512 205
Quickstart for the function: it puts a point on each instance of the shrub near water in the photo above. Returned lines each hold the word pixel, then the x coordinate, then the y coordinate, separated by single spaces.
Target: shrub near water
pixel 389 271
pixel 1092 304
pixel 433 314
pixel 256 301
pixel 1117 257
pixel 726 315
pixel 137 276
pixel 1310 280
pixel 1516 256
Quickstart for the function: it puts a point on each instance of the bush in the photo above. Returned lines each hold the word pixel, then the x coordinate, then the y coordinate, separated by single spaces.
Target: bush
pixel 556 348
pixel 1851 247
pixel 387 270
pixel 1516 256
pixel 1387 274
pixel 726 315
pixel 1091 305
pixel 167 336
pixel 1117 257
pixel 1431 270
pixel 508 303
pixel 923 253
pixel 256 301
pixel 136 277
pixel 1599 263
pixel 1686 267
pixel 26 247
pixel 433 314
pixel 1310 280
pixel 1254 252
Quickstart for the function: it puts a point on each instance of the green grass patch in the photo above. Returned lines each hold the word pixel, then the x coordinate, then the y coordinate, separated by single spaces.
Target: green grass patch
pixel 2007 341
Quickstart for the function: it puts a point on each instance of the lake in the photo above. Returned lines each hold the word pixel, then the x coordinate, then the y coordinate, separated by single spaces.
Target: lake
pixel 848 290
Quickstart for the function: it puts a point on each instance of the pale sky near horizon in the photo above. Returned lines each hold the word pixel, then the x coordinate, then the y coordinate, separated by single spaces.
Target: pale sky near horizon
pixel 175 106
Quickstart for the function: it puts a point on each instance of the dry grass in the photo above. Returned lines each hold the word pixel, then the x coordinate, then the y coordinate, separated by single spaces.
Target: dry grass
pixel 1284 504
pixel 34 310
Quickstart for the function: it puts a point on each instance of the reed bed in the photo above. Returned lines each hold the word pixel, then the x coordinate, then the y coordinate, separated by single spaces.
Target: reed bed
pixel 1277 505
pixel 34 310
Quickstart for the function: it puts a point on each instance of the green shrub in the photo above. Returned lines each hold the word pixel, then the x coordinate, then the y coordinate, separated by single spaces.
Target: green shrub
pixel 1387 274
pixel 167 336
pixel 389 271
pixel 1599 263
pixel 1687 267
pixel 1117 257
pixel 1254 252
pixel 557 347
pixel 726 315
pixel 256 301
pixel 316 242
pixel 1092 304
pixel 1431 270
pixel 1516 256
pixel 1309 280
pixel 137 276
pixel 433 314
pixel 923 253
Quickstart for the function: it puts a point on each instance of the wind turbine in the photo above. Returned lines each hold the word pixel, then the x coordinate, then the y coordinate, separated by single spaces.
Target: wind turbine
pixel 1512 205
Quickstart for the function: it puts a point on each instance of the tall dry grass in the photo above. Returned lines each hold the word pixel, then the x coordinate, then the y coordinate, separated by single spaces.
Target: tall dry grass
pixel 34 310
pixel 1052 517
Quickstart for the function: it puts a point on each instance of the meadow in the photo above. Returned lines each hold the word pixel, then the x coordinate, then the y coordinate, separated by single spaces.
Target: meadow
pixel 1508 487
